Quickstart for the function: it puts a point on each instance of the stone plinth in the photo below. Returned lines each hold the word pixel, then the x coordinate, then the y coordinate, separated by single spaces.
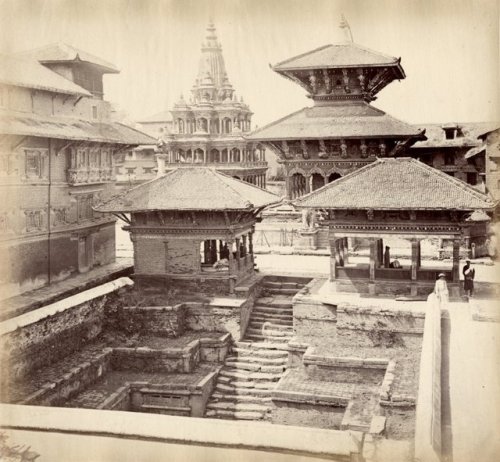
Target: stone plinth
pixel 308 239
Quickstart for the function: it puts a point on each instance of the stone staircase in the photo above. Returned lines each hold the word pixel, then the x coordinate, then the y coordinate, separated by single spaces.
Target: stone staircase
pixel 250 373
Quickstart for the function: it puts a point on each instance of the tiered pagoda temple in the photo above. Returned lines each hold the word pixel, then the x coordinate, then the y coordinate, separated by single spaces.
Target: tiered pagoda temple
pixel 342 131
pixel 192 227
pixel 395 197
pixel 209 129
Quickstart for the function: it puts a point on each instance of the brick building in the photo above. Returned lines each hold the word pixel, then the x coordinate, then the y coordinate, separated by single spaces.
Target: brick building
pixel 209 129
pixel 491 150
pixel 57 149
pixel 184 223
pixel 455 149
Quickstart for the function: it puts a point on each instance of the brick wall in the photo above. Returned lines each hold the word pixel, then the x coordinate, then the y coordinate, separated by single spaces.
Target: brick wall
pixel 163 321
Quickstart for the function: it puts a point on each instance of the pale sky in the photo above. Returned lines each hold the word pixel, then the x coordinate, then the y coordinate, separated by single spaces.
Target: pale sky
pixel 449 48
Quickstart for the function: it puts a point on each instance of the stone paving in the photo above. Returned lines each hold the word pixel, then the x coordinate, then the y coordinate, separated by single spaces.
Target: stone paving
pixel 15 306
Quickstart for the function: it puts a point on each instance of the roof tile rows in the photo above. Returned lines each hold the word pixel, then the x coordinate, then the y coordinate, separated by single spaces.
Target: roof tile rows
pixel 70 129
pixel 359 120
pixel 397 184
pixel 196 188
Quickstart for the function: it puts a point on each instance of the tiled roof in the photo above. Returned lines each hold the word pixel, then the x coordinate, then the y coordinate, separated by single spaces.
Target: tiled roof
pixel 397 184
pixel 70 129
pixel 196 188
pixel 29 73
pixel 356 120
pixel 340 55
pixel 62 52
pixel 470 131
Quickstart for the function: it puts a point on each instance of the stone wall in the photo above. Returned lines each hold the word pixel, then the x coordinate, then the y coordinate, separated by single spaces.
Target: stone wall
pixel 44 336
pixel 163 321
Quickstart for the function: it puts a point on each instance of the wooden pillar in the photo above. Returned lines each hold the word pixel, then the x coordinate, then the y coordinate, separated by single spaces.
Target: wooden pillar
pixel 456 260
pixel 380 252
pixel 341 251
pixel 230 244
pixel 346 250
pixel 333 259
pixel 415 244
pixel 213 251
pixel 206 251
pixel 238 255
pixel 244 243
pixel 288 187
pixel 308 183
pixel 373 258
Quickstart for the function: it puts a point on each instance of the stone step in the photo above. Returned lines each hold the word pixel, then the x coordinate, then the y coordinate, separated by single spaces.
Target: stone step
pixel 260 353
pixel 280 320
pixel 276 301
pixel 245 365
pixel 259 346
pixel 268 338
pixel 232 406
pixel 240 415
pixel 257 360
pixel 251 384
pixel 245 375
pixel 268 332
pixel 283 285
pixel 280 291
pixel 242 398
pixel 238 391
pixel 281 325
pixel 265 309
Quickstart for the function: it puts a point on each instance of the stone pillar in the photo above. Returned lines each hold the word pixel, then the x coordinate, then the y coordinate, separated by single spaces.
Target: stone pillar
pixel 341 251
pixel 333 259
pixel 161 165
pixel 288 188
pixel 455 275
pixel 230 256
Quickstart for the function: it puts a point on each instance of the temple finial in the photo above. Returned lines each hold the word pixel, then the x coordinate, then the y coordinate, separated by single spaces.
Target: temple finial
pixel 344 25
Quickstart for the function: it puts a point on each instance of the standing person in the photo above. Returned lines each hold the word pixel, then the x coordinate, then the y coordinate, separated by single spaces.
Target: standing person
pixel 468 273
pixel 441 288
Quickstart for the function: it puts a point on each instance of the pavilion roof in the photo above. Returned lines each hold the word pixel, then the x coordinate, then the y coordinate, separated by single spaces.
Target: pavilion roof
pixel 397 184
pixel 196 188
pixel 339 55
pixel 355 120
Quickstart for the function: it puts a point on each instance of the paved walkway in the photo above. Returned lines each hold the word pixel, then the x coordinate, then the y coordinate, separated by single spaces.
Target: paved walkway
pixel 474 381
pixel 29 301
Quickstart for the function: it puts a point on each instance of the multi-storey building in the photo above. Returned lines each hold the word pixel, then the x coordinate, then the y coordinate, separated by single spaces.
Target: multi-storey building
pixel 57 148
pixel 455 149
pixel 491 145
pixel 210 128
pixel 341 132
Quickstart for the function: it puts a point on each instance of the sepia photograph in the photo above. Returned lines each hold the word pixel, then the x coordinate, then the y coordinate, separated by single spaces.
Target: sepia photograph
pixel 245 230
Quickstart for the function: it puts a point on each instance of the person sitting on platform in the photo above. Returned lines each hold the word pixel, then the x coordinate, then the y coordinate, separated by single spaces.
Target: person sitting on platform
pixel 469 273
pixel 221 265
pixel 395 264
pixel 441 288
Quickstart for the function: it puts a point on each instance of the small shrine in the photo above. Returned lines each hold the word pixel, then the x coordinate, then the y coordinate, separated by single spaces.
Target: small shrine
pixel 192 227
pixel 395 197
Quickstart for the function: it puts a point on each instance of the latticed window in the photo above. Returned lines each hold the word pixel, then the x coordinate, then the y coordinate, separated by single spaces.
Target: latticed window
pixel 84 204
pixel 34 163
pixel 33 220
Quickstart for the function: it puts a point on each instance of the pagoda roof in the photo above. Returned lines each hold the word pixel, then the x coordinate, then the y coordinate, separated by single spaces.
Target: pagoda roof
pixel 397 184
pixel 195 188
pixel 62 52
pixel 341 120
pixel 340 55
pixel 163 116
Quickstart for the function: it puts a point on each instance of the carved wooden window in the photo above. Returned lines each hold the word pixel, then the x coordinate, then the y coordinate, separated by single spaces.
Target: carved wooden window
pixel 84 205
pixel 34 220
pixel 35 163
pixel 81 158
pixel 5 164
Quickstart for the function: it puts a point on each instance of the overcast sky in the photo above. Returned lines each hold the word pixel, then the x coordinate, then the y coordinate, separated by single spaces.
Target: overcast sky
pixel 449 48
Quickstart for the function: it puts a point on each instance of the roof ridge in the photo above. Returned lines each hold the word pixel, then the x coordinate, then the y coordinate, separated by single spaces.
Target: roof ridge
pixel 370 50
pixel 301 55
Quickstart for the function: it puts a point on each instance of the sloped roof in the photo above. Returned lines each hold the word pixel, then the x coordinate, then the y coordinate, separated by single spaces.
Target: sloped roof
pixel 29 73
pixel 70 129
pixel 62 52
pixel 397 184
pixel 356 120
pixel 340 55
pixel 470 131
pixel 196 188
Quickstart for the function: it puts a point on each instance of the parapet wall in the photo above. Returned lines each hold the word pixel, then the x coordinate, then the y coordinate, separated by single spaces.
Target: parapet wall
pixel 48 334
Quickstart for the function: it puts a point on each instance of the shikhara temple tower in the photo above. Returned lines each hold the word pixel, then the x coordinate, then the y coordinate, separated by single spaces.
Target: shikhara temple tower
pixel 342 131
pixel 209 128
